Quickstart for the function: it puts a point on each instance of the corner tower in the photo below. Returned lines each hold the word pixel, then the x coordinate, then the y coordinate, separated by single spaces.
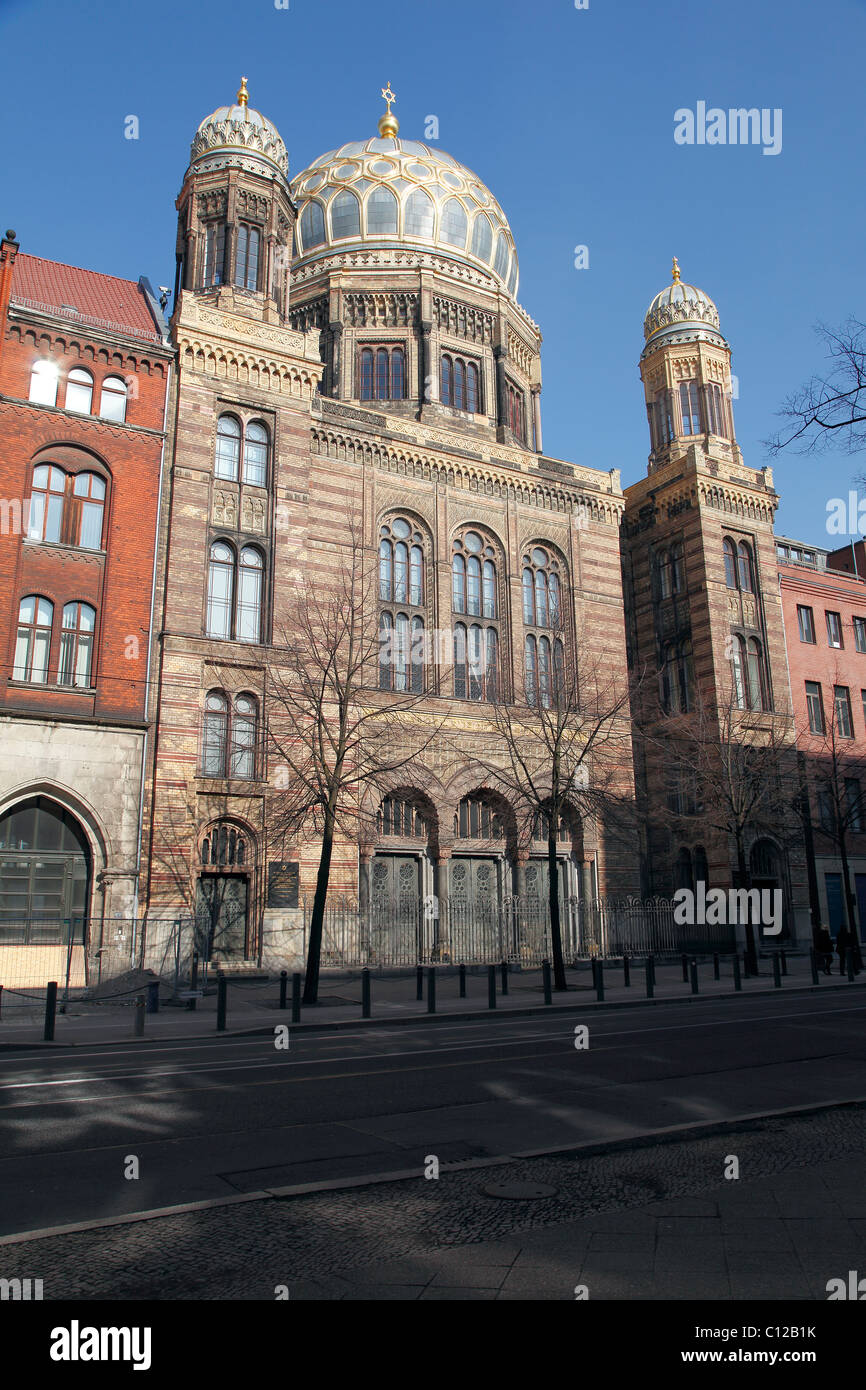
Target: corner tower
pixel 235 215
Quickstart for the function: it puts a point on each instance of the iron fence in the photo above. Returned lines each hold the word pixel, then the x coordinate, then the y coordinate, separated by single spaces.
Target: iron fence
pixel 424 931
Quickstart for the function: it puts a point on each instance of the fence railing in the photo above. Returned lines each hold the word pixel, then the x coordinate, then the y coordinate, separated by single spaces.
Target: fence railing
pixel 429 931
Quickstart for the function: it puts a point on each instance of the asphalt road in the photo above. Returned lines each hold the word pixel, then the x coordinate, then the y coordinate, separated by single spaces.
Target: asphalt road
pixel 206 1119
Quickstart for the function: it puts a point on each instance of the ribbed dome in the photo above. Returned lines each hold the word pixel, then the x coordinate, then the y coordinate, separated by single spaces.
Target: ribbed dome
pixel 390 192
pixel 242 134
pixel 681 310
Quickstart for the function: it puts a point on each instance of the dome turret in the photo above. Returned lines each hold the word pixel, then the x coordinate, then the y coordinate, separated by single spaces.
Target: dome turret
pixel 241 136
pixel 681 313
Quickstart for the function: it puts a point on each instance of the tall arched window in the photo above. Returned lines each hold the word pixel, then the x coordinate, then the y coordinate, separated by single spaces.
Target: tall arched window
pixel 215 734
pixel 739 672
pixel 256 454
pixel 76 644
pixel 730 554
pixel 79 391
pixel 474 593
pixel 677 573
pixel 214 253
pixel 419 214
pixel 249 608
pixel 454 227
pixel 478 819
pixel 459 383
pixel 516 413
pixel 381 213
pixel 112 399
pixel 44 376
pixel 247 256
pixel 402 587
pixel 345 215
pixel 220 590
pixel 746 567
pixel 229 735
pixel 382 373
pixel 541 588
pixel 33 644
pixel 46 503
pixel 312 226
pixel 228 447
pixel 87 507
pixel 400 818
pixel 755 670
pixel 716 410
pixel 482 237
pixel 690 407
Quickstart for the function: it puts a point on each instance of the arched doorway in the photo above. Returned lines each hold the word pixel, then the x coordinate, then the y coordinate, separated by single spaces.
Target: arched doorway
pixel 223 893
pixel 401 930
pixel 767 872
pixel 45 874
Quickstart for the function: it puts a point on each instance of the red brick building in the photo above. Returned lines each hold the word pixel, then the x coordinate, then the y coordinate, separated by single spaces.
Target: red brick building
pixel 824 611
pixel 84 374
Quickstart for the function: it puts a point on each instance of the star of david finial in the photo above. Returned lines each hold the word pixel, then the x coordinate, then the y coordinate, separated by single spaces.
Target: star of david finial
pixel 388 96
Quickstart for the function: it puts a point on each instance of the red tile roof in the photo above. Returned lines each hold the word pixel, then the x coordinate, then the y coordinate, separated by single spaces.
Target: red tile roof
pixel 84 295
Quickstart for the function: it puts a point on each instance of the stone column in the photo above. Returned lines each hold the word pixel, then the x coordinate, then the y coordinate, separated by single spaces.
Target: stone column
pixel 336 360
pixel 536 416
pixel 428 388
pixel 501 387
pixel 441 925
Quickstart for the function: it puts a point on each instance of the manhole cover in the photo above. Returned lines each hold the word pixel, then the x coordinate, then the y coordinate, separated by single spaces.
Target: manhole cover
pixel 524 1191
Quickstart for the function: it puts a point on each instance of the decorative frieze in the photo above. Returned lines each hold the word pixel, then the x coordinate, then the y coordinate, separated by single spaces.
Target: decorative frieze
pixel 389 309
pixel 463 320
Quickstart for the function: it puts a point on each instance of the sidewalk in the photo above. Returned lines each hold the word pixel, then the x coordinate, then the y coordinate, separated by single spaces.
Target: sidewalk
pixel 253 1005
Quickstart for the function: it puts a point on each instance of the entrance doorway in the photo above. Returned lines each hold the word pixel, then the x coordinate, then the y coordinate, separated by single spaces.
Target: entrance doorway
pixel 221 915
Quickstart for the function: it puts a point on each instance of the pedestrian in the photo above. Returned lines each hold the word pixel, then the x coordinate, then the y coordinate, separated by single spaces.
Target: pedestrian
pixel 844 940
pixel 824 948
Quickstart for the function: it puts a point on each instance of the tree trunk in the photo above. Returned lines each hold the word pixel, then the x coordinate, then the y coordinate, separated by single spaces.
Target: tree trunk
pixel 745 882
pixel 317 920
pixel 559 980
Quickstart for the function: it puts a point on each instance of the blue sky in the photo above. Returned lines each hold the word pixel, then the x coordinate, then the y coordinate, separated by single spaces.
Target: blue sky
pixel 568 115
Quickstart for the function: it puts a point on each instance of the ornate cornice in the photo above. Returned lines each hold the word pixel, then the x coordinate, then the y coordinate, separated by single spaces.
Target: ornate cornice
pixel 241 136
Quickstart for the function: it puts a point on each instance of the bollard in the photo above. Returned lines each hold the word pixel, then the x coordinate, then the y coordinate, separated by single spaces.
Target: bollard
pixel 222 992
pixel 365 993
pixel 650 982
pixel 599 982
pixel 746 964
pixel 693 975
pixel 813 961
pixel 1 1001
pixel 296 997
pixel 777 971
pixel 784 959
pixel 738 983
pixel 419 982
pixel 50 1010
pixel 685 961
pixel 594 967
pixel 545 981
pixel 431 989
pixel 491 986
pixel 503 970
pixel 284 984
pixel 626 970
pixel 716 970
pixel 849 957
pixel 153 996
pixel 462 981
pixel 652 965
pixel 138 1016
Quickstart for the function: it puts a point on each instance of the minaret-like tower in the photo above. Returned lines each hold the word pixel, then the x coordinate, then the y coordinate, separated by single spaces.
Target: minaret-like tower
pixel 235 215
pixel 686 371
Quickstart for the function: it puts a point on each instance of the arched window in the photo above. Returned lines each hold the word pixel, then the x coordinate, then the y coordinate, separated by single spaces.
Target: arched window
pixel 76 644
pixel 474 592
pixel 746 568
pixel 87 506
pixel 516 413
pixel 478 819
pixel 228 447
pixel 312 226
pixel 33 645
pixel 382 374
pixel 400 818
pixel 224 847
pixel 716 410
pixel 381 213
pixel 501 264
pixel 220 590
pixel 112 399
pixel 215 734
pixel 402 635
pixel 755 671
pixel 249 611
pixel 44 376
pixel 214 253
pixel 459 384
pixel 454 227
pixel 345 214
pixel 229 736
pixel 247 257
pixel 79 391
pixel 45 870
pixel 684 676
pixel 46 503
pixel 256 454
pixel 541 588
pixel 690 407
pixel 419 215
pixel 730 554
pixel 740 672
pixel 677 574
pixel 482 238
pixel 243 737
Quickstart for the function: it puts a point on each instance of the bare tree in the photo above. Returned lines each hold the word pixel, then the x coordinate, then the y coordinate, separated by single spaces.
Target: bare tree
pixel 829 411
pixel 333 732
pixel 560 748
pixel 837 773
pixel 733 771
